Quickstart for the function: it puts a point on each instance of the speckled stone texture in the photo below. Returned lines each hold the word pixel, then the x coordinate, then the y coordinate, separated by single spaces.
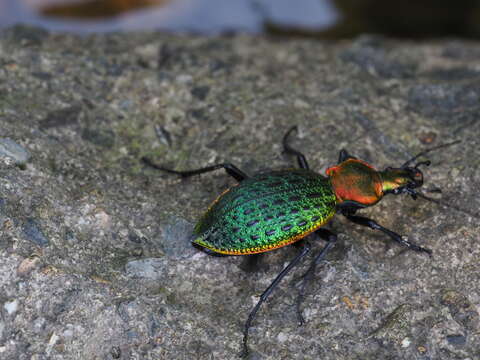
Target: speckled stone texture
pixel 95 259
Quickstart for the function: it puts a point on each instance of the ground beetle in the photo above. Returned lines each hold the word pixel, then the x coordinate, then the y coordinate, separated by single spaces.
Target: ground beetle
pixel 278 208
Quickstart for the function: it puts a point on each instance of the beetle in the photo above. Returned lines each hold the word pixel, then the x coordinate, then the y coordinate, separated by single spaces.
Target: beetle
pixel 281 207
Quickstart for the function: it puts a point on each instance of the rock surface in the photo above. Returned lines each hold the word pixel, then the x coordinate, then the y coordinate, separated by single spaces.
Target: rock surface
pixel 95 260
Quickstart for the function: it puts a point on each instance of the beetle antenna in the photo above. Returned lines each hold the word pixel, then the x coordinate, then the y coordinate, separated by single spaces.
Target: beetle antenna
pixel 447 205
pixel 408 162
pixel 422 163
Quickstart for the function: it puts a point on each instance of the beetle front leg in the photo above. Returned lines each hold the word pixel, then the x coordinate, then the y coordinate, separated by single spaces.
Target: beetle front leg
pixel 372 224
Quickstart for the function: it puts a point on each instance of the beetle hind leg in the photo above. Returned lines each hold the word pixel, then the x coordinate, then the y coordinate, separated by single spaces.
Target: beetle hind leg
pixel 267 292
pixel 231 170
pixel 308 276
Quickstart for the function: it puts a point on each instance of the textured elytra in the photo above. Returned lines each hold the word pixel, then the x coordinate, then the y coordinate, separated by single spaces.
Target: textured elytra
pixel 266 211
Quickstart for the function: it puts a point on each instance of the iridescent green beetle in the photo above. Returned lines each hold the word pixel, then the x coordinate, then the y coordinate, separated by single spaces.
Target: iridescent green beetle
pixel 278 208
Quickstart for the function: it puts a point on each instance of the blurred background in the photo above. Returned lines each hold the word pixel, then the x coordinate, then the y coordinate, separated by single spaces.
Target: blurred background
pixel 312 18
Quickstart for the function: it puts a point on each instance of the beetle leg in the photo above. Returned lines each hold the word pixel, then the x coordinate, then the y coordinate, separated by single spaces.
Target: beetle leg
pixel 344 155
pixel 307 277
pixel 268 291
pixel 372 224
pixel 231 170
pixel 302 161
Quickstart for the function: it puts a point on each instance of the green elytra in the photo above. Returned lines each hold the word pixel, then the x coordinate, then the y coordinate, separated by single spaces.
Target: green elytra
pixel 277 208
pixel 266 212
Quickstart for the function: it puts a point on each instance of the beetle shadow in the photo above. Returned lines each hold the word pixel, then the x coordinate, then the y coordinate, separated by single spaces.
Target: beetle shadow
pixel 253 263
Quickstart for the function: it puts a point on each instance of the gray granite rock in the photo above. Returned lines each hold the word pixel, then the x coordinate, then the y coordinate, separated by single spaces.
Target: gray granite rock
pixel 95 261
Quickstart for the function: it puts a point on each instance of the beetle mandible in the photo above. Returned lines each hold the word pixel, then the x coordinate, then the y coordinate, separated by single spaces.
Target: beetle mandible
pixel 277 208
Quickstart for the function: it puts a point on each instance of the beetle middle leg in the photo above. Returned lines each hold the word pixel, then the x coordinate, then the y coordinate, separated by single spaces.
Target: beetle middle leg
pixel 268 291
pixel 231 170
pixel 302 161
pixel 308 276
pixel 372 224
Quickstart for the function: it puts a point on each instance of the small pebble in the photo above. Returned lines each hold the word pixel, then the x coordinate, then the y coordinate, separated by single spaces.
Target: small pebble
pixel 282 337
pixel 14 151
pixel 27 265
pixel 406 342
pixel 146 268
pixel 32 232
pixel 51 343
pixel 457 339
pixel 11 307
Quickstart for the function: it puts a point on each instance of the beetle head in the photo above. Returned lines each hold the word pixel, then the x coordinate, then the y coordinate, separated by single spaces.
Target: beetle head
pixel 403 180
pixel 356 181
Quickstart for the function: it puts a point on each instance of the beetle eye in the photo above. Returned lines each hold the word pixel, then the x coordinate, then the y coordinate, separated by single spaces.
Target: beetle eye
pixel 417 176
